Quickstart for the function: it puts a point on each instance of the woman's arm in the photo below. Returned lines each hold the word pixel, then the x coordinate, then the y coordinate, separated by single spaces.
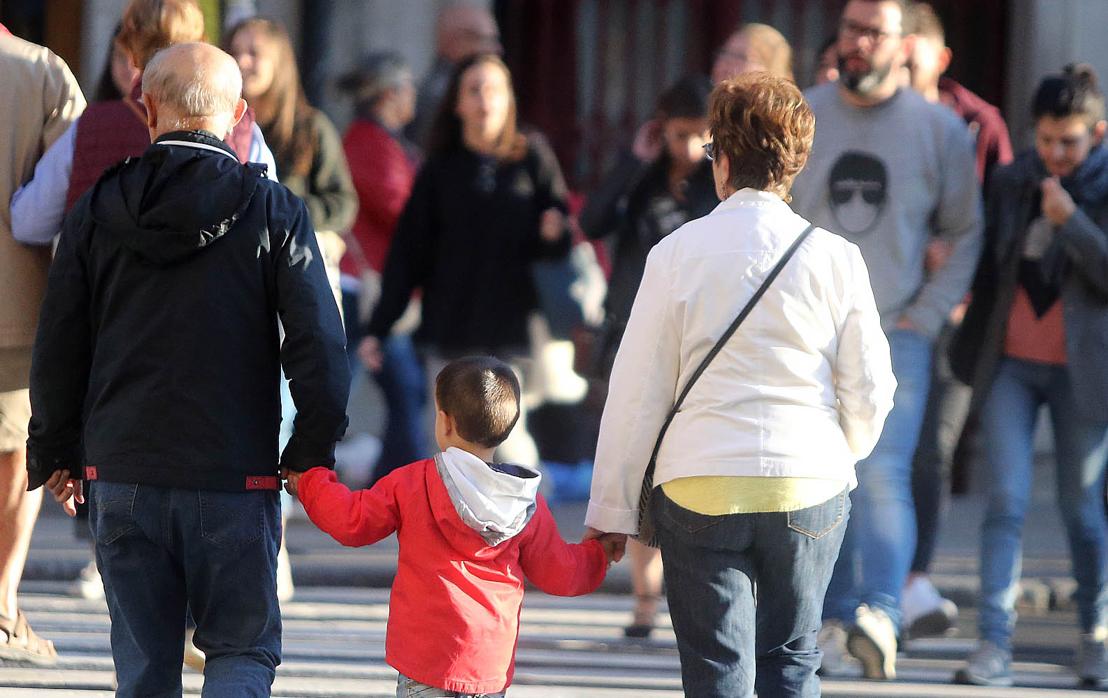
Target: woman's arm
pixel 410 254
pixel 641 392
pixel 331 198
pixel 864 381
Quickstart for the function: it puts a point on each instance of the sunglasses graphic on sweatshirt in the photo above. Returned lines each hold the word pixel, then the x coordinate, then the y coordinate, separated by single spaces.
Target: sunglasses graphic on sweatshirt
pixel 858 192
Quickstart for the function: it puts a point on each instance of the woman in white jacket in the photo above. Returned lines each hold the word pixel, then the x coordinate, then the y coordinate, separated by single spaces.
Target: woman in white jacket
pixel 754 471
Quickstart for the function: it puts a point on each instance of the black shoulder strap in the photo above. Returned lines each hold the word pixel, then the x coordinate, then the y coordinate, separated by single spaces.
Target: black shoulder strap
pixel 723 340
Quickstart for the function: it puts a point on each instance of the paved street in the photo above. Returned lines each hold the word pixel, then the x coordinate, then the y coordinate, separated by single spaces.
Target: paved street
pixel 334 648
pixel 334 629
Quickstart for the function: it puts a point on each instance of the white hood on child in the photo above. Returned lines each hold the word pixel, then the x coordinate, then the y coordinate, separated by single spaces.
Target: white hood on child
pixel 497 501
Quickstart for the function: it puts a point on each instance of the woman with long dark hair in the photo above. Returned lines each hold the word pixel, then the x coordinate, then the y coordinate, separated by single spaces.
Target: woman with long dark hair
pixel 488 202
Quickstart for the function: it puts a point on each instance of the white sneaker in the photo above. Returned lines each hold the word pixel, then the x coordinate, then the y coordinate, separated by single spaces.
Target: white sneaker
pixel 924 612
pixel 832 641
pixel 88 584
pixel 1092 658
pixel 872 640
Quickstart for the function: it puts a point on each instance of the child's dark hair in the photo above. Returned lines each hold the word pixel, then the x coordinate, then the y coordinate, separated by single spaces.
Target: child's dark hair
pixel 481 395
pixel 686 99
pixel 1073 93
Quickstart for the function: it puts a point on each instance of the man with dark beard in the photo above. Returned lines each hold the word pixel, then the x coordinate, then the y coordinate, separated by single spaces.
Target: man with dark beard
pixel 889 171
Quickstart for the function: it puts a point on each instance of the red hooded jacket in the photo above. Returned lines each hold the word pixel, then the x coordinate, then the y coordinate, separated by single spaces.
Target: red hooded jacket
pixel 455 603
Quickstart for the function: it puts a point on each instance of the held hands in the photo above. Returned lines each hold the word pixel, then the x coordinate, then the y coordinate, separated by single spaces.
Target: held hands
pixel 614 544
pixel 1058 206
pixel 292 480
pixel 68 493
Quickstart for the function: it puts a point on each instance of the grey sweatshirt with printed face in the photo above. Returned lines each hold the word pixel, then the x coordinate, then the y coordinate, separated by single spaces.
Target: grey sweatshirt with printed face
pixel 890 178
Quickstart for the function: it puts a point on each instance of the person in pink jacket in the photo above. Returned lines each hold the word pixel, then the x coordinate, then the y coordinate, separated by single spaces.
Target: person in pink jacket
pixel 469 530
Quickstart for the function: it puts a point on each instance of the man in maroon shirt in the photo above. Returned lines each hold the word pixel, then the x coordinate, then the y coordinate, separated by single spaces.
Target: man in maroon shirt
pixel 925 611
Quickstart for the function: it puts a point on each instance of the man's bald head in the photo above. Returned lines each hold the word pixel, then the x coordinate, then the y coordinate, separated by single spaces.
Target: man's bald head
pixel 192 86
pixel 466 28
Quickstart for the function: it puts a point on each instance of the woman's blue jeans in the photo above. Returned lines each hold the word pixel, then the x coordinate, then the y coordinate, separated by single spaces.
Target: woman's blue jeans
pixel 881 538
pixel 745 593
pixel 1080 448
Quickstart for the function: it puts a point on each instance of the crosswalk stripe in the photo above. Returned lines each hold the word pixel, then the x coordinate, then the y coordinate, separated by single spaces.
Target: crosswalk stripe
pixel 334 648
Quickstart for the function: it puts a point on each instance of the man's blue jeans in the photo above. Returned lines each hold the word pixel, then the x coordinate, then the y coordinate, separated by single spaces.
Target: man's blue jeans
pixel 162 551
pixel 882 531
pixel 745 593
pixel 1080 448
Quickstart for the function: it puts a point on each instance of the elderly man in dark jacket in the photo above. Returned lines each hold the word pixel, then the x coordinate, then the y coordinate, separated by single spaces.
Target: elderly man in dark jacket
pixel 155 375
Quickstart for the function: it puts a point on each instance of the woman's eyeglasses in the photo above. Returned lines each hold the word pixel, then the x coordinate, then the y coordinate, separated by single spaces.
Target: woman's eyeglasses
pixel 710 150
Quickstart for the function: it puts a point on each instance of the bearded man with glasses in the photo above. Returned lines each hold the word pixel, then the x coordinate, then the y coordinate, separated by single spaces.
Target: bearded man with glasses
pixel 890 172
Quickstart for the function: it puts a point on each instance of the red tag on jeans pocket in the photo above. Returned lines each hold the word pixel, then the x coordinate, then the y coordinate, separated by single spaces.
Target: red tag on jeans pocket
pixel 90 472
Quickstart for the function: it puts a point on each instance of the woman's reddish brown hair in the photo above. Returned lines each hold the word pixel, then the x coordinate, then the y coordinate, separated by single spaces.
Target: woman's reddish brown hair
pixel 765 128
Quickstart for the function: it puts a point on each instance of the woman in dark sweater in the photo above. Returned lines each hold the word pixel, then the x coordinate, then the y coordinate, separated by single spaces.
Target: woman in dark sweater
pixel 487 203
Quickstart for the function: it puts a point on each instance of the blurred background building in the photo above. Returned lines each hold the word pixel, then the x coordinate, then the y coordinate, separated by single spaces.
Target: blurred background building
pixel 588 71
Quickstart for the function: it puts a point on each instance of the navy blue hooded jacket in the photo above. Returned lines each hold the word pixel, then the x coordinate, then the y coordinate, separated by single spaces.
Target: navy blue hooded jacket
pixel 158 354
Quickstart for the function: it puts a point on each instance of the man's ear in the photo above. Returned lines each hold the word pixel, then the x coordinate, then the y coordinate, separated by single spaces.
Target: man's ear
pixel 240 111
pixel 1098 131
pixel 945 56
pixel 151 112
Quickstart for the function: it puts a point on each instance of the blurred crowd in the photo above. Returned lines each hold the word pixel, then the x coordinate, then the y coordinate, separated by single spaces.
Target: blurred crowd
pixel 447 230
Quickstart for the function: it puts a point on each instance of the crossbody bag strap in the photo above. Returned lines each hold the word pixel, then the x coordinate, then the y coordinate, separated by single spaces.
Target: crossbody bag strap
pixel 720 344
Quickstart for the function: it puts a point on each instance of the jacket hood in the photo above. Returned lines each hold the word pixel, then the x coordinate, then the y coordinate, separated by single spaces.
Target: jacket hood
pixel 495 500
pixel 183 194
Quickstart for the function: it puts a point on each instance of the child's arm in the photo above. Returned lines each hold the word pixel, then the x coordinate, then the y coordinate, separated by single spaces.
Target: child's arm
pixel 352 518
pixel 558 567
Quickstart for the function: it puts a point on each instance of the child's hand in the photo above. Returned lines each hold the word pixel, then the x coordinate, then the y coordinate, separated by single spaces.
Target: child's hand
pixel 614 545
pixel 292 480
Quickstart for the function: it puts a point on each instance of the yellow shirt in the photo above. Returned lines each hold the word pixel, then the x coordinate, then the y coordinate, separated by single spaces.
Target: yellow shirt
pixel 720 495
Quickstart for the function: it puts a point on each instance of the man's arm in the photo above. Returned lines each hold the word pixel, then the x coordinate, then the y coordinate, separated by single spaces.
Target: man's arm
pixel 313 353
pixel 61 361
pixel 957 219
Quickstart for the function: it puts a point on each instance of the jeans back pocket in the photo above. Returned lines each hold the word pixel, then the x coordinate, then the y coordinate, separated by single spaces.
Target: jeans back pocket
pixel 232 519
pixel 817 521
pixel 111 511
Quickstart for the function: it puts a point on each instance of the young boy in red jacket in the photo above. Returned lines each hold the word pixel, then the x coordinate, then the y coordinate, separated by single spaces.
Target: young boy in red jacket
pixel 469 530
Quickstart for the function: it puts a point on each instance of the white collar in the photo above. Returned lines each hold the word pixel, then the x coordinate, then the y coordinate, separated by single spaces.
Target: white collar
pixel 201 146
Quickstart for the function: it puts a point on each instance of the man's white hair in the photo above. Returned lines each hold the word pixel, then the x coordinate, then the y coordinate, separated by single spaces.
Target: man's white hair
pixel 194 86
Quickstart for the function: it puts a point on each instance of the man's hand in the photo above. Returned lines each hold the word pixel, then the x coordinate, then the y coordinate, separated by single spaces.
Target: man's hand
pixel 937 255
pixel 68 493
pixel 292 480
pixel 614 544
pixel 1057 204
pixel 369 351
pixel 553 225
